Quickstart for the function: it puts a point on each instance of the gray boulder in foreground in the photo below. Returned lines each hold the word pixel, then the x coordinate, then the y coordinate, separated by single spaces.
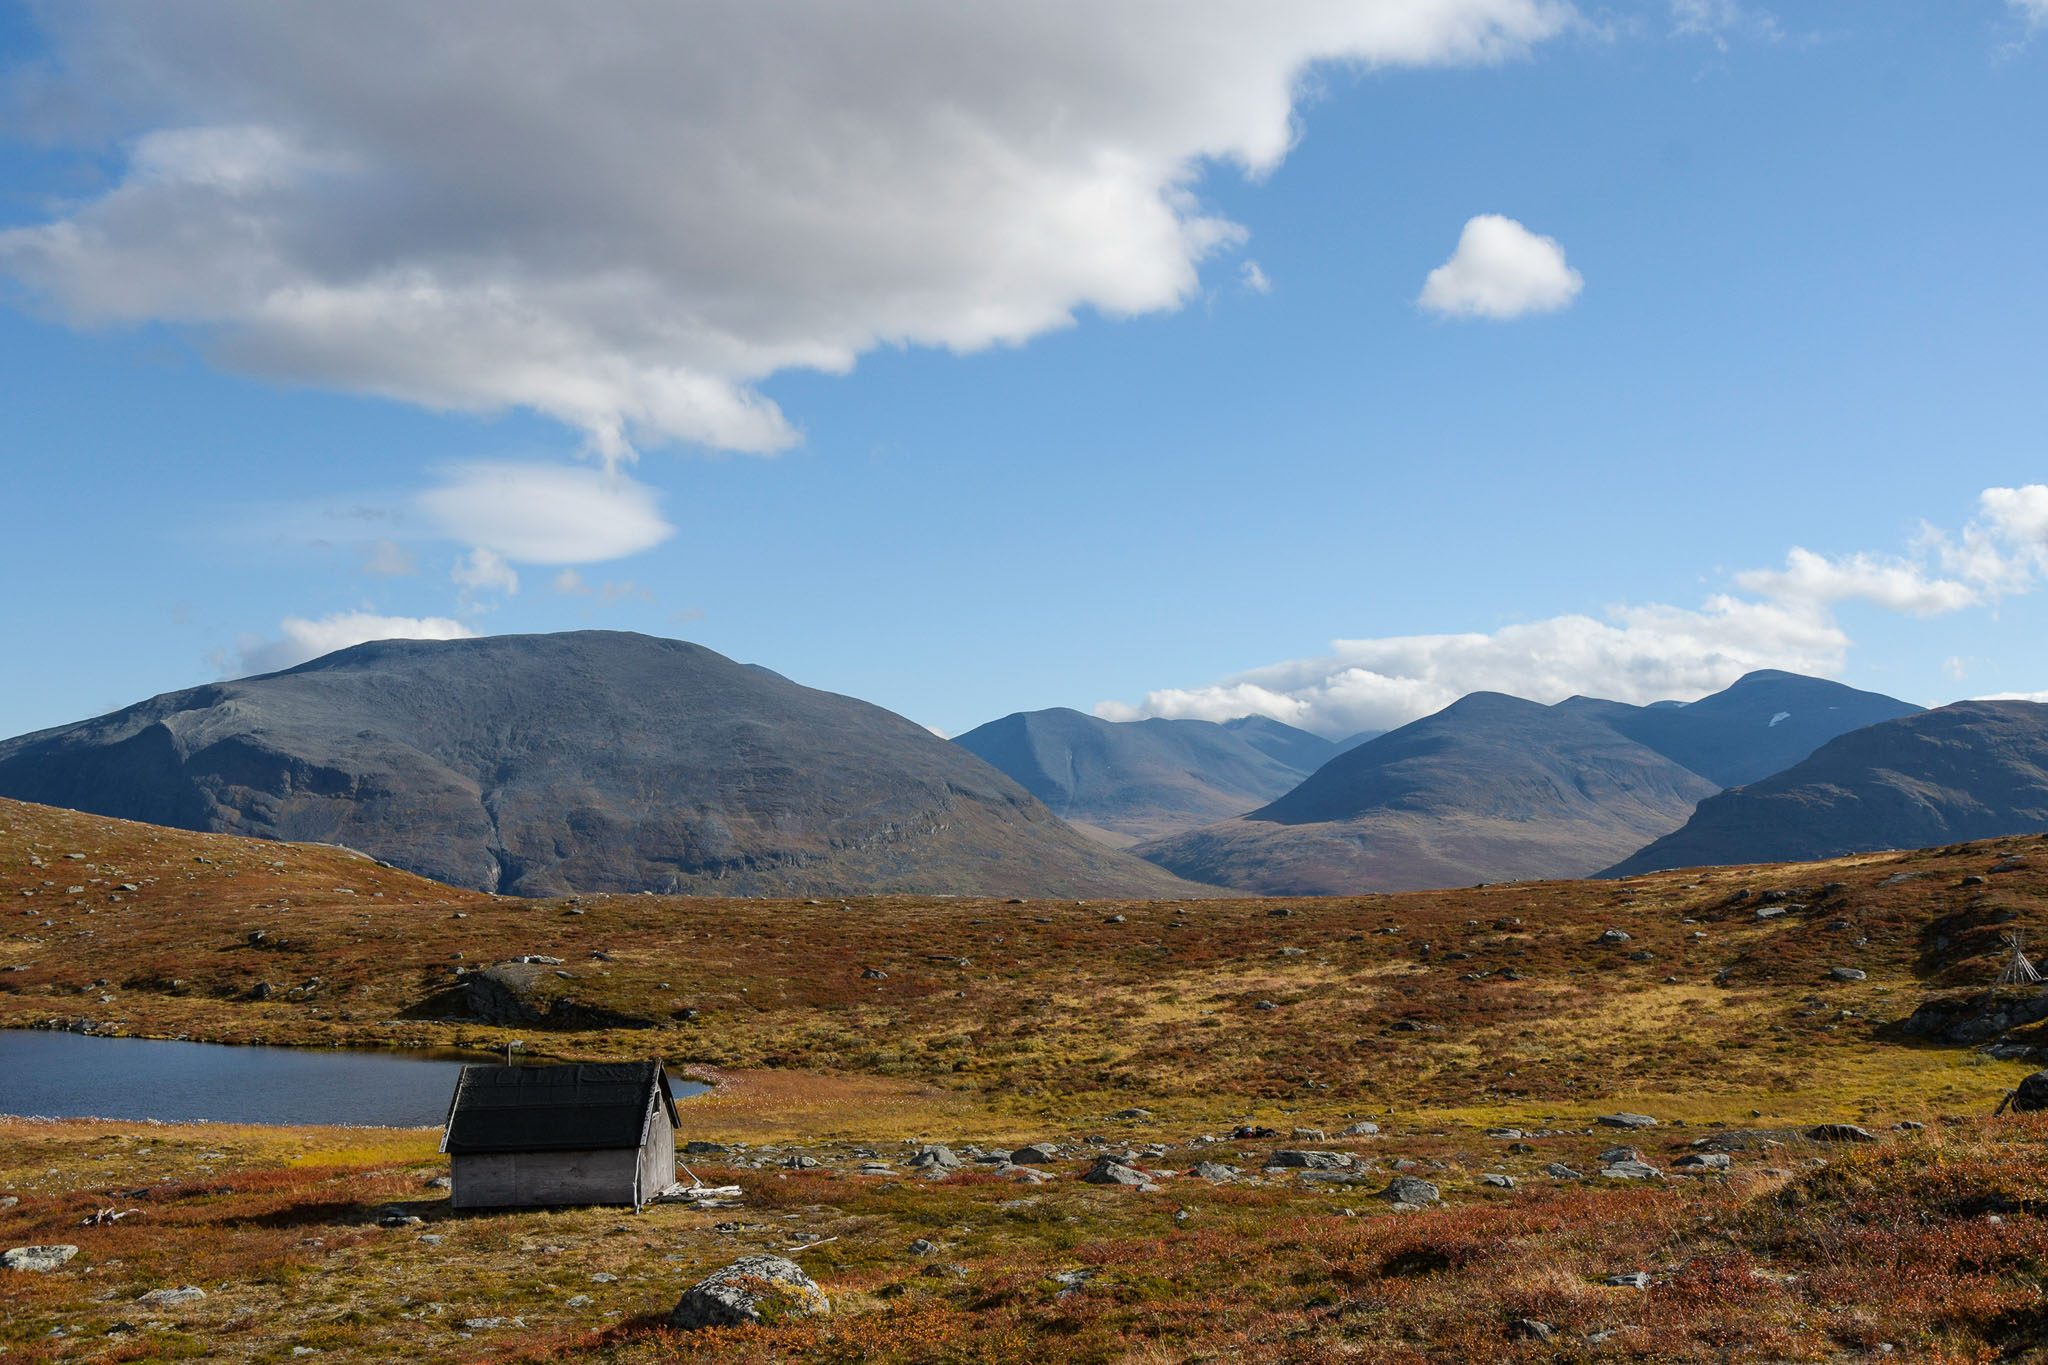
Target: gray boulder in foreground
pixel 1407 1189
pixel 36 1258
pixel 1627 1121
pixel 753 1289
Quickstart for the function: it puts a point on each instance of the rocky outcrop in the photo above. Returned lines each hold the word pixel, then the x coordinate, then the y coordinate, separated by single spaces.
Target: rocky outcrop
pixel 752 1290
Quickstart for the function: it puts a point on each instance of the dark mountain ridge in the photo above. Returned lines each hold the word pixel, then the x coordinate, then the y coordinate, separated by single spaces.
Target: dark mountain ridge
pixel 1974 770
pixel 583 761
pixel 1494 788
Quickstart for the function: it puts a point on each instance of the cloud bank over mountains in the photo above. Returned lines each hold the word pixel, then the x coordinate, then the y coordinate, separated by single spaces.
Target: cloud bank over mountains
pixel 625 215
pixel 1639 654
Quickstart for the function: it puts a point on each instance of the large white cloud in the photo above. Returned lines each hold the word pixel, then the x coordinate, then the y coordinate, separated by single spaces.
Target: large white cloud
pixel 623 214
pixel 2035 12
pixel 1638 654
pixel 302 639
pixel 1500 270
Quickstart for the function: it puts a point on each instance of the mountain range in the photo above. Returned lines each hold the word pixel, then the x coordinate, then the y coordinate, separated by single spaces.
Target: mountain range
pixel 1494 788
pixel 1123 781
pixel 1974 770
pixel 584 761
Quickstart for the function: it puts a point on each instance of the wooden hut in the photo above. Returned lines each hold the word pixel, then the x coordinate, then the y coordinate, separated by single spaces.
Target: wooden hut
pixel 588 1133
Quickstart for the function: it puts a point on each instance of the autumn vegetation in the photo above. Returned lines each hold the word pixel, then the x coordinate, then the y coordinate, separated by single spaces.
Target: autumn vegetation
pixel 1445 1018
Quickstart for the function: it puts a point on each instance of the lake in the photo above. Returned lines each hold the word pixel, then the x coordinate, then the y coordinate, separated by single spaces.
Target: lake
pixel 71 1075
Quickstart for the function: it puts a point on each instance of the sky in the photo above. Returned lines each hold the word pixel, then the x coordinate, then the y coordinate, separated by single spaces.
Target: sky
pixel 1322 360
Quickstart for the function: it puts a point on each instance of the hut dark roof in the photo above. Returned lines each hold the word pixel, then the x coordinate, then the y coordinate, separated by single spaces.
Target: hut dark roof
pixel 584 1106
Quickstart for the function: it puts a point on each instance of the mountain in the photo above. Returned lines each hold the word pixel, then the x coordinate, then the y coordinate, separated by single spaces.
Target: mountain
pixel 1763 723
pixel 1128 780
pixel 586 761
pixel 1974 770
pixel 1490 788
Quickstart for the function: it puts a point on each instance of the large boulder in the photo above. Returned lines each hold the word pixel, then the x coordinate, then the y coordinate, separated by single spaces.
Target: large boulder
pixel 36 1258
pixel 1309 1160
pixel 753 1289
pixel 1408 1189
pixel 1967 1021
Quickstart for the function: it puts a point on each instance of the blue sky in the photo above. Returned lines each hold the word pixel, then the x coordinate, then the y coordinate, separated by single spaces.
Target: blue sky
pixel 839 429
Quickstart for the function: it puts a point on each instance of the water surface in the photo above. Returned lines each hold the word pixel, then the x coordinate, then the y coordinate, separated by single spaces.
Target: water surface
pixel 71 1075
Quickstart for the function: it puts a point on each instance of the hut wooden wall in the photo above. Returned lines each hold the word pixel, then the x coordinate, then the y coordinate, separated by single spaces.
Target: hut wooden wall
pixel 501 1179
pixel 658 1154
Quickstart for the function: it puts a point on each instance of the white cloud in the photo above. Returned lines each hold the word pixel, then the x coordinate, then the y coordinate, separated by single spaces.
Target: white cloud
pixel 623 214
pixel 1894 584
pixel 303 639
pixel 2035 12
pixel 569 583
pixel 485 570
pixel 1253 277
pixel 1500 270
pixel 1637 654
pixel 1640 654
pixel 545 514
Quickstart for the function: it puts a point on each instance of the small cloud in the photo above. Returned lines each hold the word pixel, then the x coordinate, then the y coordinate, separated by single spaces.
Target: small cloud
pixel 1954 667
pixel 683 616
pixel 1500 270
pixel 485 570
pixel 544 513
pixel 569 583
pixel 389 559
pixel 609 593
pixel 304 639
pixel 1254 279
pixel 1718 20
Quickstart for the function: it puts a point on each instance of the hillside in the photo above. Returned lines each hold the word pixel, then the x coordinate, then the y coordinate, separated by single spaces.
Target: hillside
pixel 1974 770
pixel 1472 1039
pixel 1761 724
pixel 586 761
pixel 1131 780
pixel 1491 788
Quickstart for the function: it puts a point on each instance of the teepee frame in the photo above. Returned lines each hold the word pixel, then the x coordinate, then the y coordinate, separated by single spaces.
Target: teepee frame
pixel 2017 970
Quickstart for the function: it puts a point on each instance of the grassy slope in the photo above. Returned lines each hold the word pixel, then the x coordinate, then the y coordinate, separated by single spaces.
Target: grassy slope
pixel 1060 1018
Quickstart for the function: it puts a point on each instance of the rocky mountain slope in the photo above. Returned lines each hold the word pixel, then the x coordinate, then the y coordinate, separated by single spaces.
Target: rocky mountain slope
pixel 1131 780
pixel 1490 788
pixel 586 761
pixel 1974 770
pixel 1495 788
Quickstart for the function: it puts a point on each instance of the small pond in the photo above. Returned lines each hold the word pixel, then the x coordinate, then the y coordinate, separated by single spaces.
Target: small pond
pixel 70 1075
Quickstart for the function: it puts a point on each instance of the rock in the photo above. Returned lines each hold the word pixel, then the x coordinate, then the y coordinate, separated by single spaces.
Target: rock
pixel 874 974
pixel 1107 1170
pixel 1631 1170
pixel 38 1259
pixel 1630 1279
pixel 922 1247
pixel 1132 1113
pixel 940 1158
pixel 1213 1170
pixel 1308 1135
pixel 1248 1133
pixel 171 1298
pixel 440 1182
pixel 704 1149
pixel 753 1289
pixel 490 1324
pixel 800 1163
pixel 1309 1161
pixel 1974 1019
pixel 1847 973
pixel 1531 1329
pixel 1497 1180
pixel 1614 936
pixel 1558 1170
pixel 1031 1154
pixel 1702 1161
pixel 1773 911
pixel 262 990
pixel 1265 1005
pixel 1408 1189
pixel 1359 1130
pixel 1614 1154
pixel 1840 1132
pixel 1627 1121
